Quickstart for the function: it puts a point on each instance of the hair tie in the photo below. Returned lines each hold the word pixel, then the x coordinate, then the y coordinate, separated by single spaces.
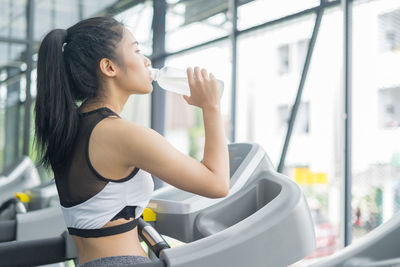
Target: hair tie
pixel 62 48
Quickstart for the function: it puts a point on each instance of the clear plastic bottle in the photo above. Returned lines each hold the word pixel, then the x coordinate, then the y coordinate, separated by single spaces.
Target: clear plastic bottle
pixel 175 80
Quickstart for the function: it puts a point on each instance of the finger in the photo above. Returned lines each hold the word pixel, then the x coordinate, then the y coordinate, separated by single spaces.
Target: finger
pixel 204 74
pixel 189 72
pixel 212 77
pixel 197 74
pixel 187 98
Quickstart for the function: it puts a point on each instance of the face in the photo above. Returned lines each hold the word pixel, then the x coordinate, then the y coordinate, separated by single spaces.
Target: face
pixel 134 76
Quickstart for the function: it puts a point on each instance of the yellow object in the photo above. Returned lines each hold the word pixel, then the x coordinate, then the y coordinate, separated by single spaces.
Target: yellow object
pixel 149 215
pixel 321 178
pixel 22 197
pixel 306 177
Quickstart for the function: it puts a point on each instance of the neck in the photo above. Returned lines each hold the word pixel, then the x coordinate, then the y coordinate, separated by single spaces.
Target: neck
pixel 114 102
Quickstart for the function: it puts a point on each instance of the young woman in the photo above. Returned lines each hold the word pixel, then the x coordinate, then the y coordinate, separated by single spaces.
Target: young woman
pixel 101 162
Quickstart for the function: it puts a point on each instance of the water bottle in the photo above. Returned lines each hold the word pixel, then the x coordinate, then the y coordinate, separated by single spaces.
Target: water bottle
pixel 175 80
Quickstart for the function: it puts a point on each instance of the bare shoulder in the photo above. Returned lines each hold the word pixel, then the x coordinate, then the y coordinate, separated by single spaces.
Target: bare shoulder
pixel 124 130
pixel 130 140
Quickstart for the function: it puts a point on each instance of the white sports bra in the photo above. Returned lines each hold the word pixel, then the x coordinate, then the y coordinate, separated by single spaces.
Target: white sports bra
pixel 95 212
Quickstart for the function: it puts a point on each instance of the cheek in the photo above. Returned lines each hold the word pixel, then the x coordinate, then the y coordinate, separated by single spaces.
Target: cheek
pixel 131 71
pixel 136 78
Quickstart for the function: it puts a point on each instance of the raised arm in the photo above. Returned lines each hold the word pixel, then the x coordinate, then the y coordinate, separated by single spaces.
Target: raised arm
pixel 146 149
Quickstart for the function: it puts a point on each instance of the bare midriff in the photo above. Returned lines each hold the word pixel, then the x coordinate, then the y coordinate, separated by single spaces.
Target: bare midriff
pixel 125 244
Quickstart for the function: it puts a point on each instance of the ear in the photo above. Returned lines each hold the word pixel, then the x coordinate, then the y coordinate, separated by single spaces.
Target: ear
pixel 108 68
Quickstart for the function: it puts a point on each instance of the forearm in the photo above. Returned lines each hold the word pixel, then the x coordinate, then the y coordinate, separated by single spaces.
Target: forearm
pixel 216 156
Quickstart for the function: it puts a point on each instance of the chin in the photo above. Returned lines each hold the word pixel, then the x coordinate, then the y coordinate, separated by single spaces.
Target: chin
pixel 143 91
pixel 148 90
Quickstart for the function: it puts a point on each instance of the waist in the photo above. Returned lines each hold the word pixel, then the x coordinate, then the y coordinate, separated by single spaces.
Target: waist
pixel 115 245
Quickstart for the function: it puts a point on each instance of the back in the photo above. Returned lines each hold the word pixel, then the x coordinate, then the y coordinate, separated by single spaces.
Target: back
pixel 90 200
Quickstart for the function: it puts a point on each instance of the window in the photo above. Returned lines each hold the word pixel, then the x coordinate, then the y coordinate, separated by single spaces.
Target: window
pixel 389 108
pixel 389 31
pixel 12 94
pixel 13 18
pixel 301 53
pixel 190 23
pixel 314 151
pixel 302 118
pixel 291 56
pixel 283 54
pixel 254 12
pixel 183 123
pixel 376 114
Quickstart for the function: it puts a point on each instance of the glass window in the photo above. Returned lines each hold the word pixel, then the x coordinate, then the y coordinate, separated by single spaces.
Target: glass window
pixel 389 108
pixel 193 22
pixel 51 14
pixel 291 56
pixel 376 143
pixel 302 118
pixel 137 109
pixel 252 13
pixel 315 160
pixel 13 18
pixel 266 87
pixel 301 53
pixel 184 123
pixel 12 83
pixel 265 98
pixel 389 30
pixel 139 20
pixel 93 8
pixel 283 54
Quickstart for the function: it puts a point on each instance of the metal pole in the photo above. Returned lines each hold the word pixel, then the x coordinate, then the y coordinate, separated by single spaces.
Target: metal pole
pixel 347 16
pixel 80 9
pixel 53 14
pixel 296 104
pixel 10 28
pixel 158 95
pixel 29 62
pixel 233 10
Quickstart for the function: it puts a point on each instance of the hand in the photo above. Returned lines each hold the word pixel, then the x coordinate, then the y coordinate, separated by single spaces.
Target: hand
pixel 204 91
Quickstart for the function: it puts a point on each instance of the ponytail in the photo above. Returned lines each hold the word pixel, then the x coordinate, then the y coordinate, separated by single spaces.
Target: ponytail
pixel 67 72
pixel 56 112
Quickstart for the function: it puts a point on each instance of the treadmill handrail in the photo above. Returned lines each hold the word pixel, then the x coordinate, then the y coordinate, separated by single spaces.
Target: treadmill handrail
pixel 25 164
pixel 381 263
pixel 382 233
pixel 276 211
pixel 33 252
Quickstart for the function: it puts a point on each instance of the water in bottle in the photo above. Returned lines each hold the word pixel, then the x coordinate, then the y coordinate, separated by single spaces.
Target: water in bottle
pixel 175 80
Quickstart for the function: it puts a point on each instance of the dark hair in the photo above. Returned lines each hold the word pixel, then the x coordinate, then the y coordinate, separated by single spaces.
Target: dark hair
pixel 67 72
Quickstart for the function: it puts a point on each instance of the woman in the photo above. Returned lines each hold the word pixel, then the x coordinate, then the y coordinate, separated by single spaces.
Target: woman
pixel 101 162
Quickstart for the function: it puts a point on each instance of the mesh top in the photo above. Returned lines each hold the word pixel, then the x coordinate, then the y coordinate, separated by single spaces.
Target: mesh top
pixel 77 180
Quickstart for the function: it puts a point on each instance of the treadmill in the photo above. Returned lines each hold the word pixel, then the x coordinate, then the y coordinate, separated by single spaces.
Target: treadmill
pixel 21 175
pixel 263 221
pixel 378 248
